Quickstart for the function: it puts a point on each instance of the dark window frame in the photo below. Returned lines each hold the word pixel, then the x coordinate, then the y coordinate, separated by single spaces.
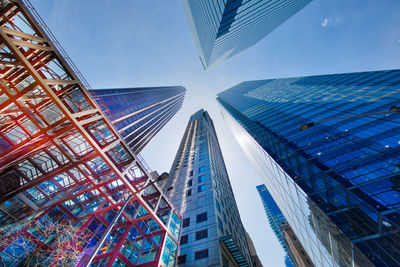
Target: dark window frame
pixel 202 217
pixel 189 192
pixel 185 222
pixel 201 254
pixel 184 239
pixel 202 234
pixel 182 259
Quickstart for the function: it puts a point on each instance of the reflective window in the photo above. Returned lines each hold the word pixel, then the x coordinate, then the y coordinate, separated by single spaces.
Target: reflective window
pixel 201 188
pixel 201 179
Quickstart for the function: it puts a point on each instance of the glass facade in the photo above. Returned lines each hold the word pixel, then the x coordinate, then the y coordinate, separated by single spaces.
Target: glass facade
pixel 221 29
pixel 337 182
pixel 65 172
pixel 275 218
pixel 212 228
pixel 140 113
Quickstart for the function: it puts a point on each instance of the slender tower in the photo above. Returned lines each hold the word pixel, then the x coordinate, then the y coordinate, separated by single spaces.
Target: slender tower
pixel 328 148
pixel 223 29
pixel 275 219
pixel 140 113
pixel 199 187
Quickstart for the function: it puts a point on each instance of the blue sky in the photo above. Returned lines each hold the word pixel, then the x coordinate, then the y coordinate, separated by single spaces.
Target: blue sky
pixel 136 43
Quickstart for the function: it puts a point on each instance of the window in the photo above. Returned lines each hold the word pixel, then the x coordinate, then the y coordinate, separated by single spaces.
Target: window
pixel 202 217
pixel 201 179
pixel 189 192
pixel 191 173
pixel 182 259
pixel 185 222
pixel 184 239
pixel 202 169
pixel 217 205
pixel 201 234
pixel 220 225
pixel 190 182
pixel 201 188
pixel 201 254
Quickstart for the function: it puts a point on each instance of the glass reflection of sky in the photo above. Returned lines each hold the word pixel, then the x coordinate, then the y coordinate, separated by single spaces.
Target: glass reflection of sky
pixel 346 169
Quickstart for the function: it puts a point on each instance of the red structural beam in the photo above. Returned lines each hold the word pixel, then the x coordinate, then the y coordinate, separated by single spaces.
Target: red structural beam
pixel 44 103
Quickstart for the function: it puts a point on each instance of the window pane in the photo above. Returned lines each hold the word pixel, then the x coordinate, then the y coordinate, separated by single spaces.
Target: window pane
pixel 201 254
pixel 201 188
pixel 201 217
pixel 186 222
pixel 201 179
pixel 184 239
pixel 201 234
pixel 182 259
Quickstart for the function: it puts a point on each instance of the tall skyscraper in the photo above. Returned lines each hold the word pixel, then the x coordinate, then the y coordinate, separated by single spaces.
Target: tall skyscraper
pixel 296 252
pixel 222 29
pixel 140 113
pixel 199 187
pixel 253 252
pixel 70 188
pixel 275 218
pixel 337 180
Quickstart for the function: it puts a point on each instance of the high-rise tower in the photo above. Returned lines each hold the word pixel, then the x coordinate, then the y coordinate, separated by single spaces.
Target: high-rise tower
pixel 222 29
pixel 328 149
pixel 199 186
pixel 275 218
pixel 140 113
pixel 71 190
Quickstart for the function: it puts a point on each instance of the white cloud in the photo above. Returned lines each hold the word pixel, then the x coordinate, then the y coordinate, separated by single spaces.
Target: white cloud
pixel 326 22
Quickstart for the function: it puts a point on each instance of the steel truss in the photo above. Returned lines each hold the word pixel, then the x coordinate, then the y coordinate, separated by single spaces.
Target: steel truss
pixel 59 154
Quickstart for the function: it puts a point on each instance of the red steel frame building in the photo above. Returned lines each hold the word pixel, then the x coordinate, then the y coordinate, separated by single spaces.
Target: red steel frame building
pixel 62 160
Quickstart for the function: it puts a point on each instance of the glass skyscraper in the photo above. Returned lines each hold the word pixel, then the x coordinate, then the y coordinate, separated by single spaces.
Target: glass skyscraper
pixel 140 113
pixel 71 191
pixel 222 29
pixel 199 187
pixel 275 218
pixel 337 183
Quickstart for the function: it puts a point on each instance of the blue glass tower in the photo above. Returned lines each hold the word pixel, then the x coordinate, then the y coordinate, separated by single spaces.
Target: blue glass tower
pixel 199 186
pixel 222 29
pixel 337 183
pixel 140 113
pixel 275 218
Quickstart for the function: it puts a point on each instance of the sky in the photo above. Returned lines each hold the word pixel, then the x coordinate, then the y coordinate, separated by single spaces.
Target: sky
pixel 139 43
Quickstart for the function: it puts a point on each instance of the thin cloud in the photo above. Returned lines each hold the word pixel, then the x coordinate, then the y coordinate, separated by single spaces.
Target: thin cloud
pixel 326 22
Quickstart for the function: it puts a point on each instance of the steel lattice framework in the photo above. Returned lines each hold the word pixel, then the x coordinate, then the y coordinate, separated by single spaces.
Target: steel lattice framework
pixel 60 154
